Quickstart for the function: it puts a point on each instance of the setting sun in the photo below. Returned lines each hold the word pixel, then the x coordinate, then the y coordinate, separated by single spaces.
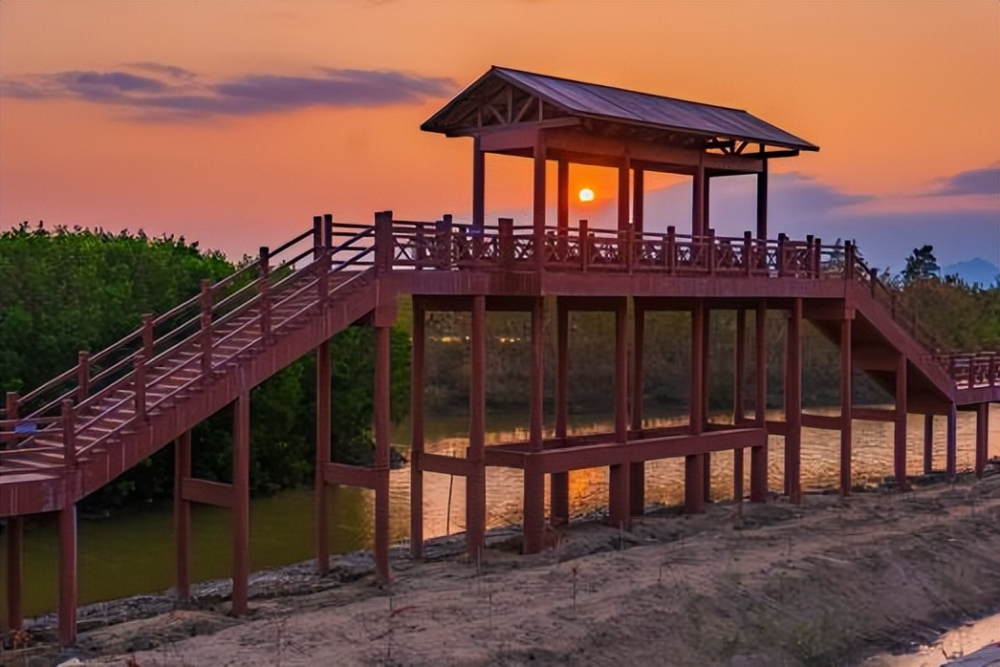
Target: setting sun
pixel 586 194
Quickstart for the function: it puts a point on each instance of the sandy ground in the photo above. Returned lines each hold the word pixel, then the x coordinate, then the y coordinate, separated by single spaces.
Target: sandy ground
pixel 826 583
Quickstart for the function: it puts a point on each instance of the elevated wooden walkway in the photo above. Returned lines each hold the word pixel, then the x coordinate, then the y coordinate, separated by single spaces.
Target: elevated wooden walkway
pixel 116 407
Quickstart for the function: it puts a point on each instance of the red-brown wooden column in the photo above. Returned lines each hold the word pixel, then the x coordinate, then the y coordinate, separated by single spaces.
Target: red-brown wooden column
pixel 382 433
pixel 706 387
pixel 928 444
pixel 793 404
pixel 241 502
pixel 417 355
pixel 67 568
pixel 478 184
pixel 534 478
pixel 618 479
pixel 182 518
pixel 698 199
pixel 475 483
pixel 638 200
pixel 323 434
pixel 15 551
pixel 846 403
pixel 982 437
pixel 637 470
pixel 758 455
pixel 538 207
pixel 623 194
pixel 899 426
pixel 694 478
pixel 559 481
pixel 762 199
pixel 951 451
pixel 562 203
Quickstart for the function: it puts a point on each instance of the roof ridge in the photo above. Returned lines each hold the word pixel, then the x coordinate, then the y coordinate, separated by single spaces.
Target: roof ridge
pixel 617 88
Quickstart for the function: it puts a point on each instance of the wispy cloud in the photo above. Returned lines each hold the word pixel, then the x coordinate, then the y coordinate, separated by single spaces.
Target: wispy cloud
pixel 972 182
pixel 166 92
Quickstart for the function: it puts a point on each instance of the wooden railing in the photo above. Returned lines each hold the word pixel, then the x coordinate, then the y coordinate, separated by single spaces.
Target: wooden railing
pixel 187 344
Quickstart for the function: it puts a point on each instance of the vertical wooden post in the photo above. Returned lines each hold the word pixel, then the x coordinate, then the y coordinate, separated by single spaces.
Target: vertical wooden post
pixel 317 234
pixel 584 246
pixel 323 443
pixel 139 387
pixel 618 478
pixel 706 206
pixel 475 483
pixel 749 261
pixel 478 184
pixel 68 565
pixel 505 233
pixel 846 404
pixel 706 385
pixel 698 200
pixel 562 207
pixel 559 481
pixel 534 479
pixel 538 208
pixel 671 248
pixel 182 518
pixel 623 195
pixel 951 444
pixel 899 426
pixel 928 444
pixel 782 259
pixel 417 355
pixel 762 200
pixel 758 455
pixel 383 241
pixel 241 502
pixel 738 457
pixel 637 470
pixel 793 404
pixel 147 335
pixel 383 573
pixel 82 376
pixel 638 200
pixel 15 552
pixel 694 472
pixel 739 361
pixel 206 330
pixel 982 437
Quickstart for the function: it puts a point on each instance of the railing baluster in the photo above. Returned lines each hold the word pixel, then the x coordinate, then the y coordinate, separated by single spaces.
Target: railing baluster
pixel 584 246
pixel 781 255
pixel 206 330
pixel 817 257
pixel 506 232
pixel 82 376
pixel 711 253
pixel 671 249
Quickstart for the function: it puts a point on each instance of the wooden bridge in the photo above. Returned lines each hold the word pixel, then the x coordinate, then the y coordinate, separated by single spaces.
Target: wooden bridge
pixel 116 407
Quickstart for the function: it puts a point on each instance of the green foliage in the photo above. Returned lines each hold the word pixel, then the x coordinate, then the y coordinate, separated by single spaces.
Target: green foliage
pixel 921 265
pixel 69 290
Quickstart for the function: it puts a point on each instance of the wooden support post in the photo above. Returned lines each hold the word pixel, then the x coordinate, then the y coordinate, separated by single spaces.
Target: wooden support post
pixel 738 458
pixel 534 478
pixel 323 443
pixel 951 444
pixel 982 437
pixel 637 470
pixel 758 455
pixel 538 208
pixel 82 376
pixel 15 554
pixel 739 362
pixel 758 474
pixel 147 335
pixel 846 403
pixel 762 200
pixel 383 573
pixel 899 427
pixel 562 208
pixel 793 404
pixel 618 478
pixel 706 386
pixel 694 473
pixel 559 481
pixel 698 200
pixel 638 200
pixel 928 444
pixel 68 565
pixel 478 184
pixel 241 503
pixel 623 196
pixel 182 518
pixel 475 482
pixel 417 355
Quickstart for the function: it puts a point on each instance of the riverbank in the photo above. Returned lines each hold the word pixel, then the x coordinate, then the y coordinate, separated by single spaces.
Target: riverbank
pixel 826 583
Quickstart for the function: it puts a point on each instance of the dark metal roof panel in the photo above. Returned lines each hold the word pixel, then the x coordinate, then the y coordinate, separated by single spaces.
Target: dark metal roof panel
pixel 617 104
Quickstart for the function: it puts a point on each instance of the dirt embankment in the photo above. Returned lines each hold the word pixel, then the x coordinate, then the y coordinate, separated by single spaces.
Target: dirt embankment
pixel 826 583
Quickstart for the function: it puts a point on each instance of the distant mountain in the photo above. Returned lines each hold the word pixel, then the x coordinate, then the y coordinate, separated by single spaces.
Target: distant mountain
pixel 973 271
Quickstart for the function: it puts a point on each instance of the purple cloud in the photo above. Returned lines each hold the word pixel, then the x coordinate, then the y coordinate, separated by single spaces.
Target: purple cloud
pixel 165 92
pixel 972 182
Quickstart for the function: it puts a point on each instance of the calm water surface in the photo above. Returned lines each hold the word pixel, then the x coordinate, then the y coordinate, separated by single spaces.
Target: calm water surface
pixel 131 554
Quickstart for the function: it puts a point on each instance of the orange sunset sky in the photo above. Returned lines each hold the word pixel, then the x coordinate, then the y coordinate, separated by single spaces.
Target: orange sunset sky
pixel 234 122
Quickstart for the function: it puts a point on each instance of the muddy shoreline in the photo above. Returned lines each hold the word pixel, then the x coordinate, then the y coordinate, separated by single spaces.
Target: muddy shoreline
pixel 826 583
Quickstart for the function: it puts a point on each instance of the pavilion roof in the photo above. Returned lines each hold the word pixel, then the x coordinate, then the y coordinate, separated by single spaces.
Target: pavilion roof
pixel 566 97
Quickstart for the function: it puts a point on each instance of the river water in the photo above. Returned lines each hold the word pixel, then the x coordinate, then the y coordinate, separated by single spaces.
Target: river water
pixel 132 554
